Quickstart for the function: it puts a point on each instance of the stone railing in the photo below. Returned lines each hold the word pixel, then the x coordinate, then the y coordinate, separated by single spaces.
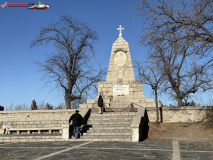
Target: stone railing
pixel 139 125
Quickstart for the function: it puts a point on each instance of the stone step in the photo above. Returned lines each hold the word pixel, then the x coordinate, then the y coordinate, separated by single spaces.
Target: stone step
pixel 108 122
pixel 109 125
pixel 102 139
pixel 108 134
pixel 119 104
pixel 110 119
pixel 114 114
pixel 95 121
pixel 105 136
pixel 107 129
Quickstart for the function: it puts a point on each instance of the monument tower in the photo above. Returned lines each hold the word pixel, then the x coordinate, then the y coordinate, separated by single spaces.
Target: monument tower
pixel 120 88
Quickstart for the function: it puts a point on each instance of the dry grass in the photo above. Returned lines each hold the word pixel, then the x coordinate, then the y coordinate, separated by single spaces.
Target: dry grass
pixel 180 129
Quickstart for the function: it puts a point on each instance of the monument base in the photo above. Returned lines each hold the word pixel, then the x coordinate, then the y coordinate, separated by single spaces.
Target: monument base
pixel 123 100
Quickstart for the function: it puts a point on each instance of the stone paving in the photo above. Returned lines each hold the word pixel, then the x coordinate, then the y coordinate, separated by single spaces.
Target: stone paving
pixel 149 149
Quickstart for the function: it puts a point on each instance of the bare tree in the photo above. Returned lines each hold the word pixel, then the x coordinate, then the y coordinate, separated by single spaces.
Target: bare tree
pixel 9 108
pixel 41 105
pixel 179 36
pixel 62 105
pixel 17 107
pixel 23 106
pixel 150 74
pixel 75 104
pixel 191 20
pixel 73 67
pixel 185 70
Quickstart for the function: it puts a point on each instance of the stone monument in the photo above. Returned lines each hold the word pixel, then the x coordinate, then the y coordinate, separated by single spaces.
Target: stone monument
pixel 120 88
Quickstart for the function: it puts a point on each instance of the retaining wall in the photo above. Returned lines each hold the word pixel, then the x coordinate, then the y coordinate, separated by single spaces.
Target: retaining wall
pixel 56 117
pixel 183 114
pixel 35 118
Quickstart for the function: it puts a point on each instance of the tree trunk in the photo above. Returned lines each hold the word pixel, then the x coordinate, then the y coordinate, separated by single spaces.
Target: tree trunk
pixel 157 110
pixel 179 102
pixel 67 100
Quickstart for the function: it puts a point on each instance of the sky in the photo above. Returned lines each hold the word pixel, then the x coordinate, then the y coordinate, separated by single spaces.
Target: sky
pixel 19 80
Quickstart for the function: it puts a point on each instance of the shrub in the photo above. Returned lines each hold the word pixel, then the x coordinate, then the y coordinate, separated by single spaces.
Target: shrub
pixel 1 108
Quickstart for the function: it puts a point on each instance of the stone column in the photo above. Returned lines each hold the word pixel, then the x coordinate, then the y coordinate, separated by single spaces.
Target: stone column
pixel 135 132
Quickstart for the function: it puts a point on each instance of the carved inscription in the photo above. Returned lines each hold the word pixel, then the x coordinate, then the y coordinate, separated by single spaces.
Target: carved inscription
pixel 120 90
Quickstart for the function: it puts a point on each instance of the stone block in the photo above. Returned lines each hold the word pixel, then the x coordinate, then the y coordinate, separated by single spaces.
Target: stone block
pixel 149 100
pixel 135 93
pixel 106 85
pixel 90 100
pixel 28 119
pixel 34 118
pixel 149 104
pixel 51 118
pixel 23 140
pixel 11 119
pixel 81 106
pixel 100 85
pixel 90 105
pixel 22 119
pixel 63 118
pixel 51 125
pixel 39 140
pixel 5 140
pixel 50 140
pixel 57 118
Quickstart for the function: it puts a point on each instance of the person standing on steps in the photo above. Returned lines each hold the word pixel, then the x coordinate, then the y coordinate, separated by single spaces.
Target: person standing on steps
pixel 100 104
pixel 76 122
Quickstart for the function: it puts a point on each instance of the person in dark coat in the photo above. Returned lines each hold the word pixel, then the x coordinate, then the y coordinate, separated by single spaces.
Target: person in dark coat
pixel 100 104
pixel 47 107
pixel 76 122
pixel 33 105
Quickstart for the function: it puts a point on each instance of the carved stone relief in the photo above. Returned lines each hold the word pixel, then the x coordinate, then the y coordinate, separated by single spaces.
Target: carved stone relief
pixel 120 63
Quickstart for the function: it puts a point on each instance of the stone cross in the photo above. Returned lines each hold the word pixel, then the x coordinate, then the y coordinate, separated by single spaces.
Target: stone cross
pixel 120 35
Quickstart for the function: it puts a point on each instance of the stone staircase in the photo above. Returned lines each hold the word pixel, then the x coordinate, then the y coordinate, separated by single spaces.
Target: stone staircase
pixel 110 126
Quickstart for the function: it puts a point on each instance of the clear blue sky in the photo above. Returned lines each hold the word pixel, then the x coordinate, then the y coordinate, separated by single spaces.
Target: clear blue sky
pixel 19 81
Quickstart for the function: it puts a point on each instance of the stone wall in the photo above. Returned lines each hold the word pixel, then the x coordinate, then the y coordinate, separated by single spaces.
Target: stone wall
pixel 56 117
pixel 35 118
pixel 184 114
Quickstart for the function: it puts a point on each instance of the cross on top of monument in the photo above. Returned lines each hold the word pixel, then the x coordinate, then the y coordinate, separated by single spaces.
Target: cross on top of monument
pixel 120 35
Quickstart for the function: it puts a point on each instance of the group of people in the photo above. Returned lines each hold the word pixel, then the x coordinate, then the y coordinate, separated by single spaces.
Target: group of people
pixel 34 106
pixel 77 119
